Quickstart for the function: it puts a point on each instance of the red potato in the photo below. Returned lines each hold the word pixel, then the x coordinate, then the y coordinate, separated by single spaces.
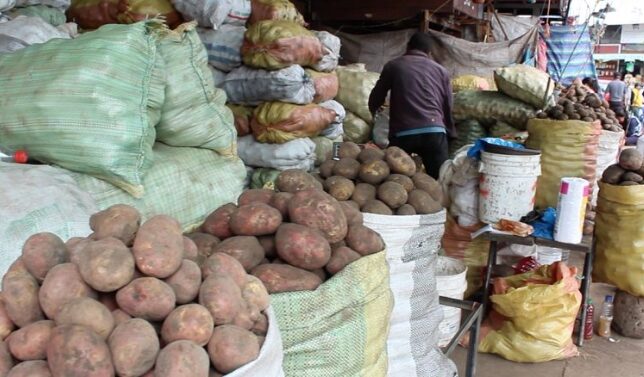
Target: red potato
pixel 75 247
pixel 216 223
pixel 268 243
pixel 158 247
pixel 232 347
pixel 340 258
pixel 206 244
pixel 106 265
pixel 279 201
pixel 33 368
pixel 214 373
pixel 352 212
pixel 134 346
pixel 20 297
pixel 318 210
pixel 119 221
pixel 247 316
pixel 77 351
pixel 185 282
pixel 41 252
pixel 62 284
pixel 120 316
pixel 182 358
pixel 260 328
pixel 255 293
pixel 147 298
pixel 6 325
pixel 108 300
pixel 188 322
pixel 89 313
pixel 17 266
pixel 190 250
pixel 255 219
pixel 294 180
pixel 222 297
pixel 30 342
pixel 279 278
pixel 320 272
pixel 302 247
pixel 6 361
pixel 245 249
pixel 255 196
pixel 224 264
pixel 364 241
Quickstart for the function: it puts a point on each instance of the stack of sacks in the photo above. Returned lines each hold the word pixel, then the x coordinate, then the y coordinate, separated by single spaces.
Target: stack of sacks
pixel 356 85
pixel 23 31
pixel 92 14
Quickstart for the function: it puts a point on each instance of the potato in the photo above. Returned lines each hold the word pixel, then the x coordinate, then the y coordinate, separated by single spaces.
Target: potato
pixel 41 252
pixel 302 247
pixel 371 154
pixel 188 322
pixel 75 247
pixel 279 201
pixel 190 250
pixel 77 351
pixel 402 180
pixel 346 167
pixel 339 187
pixel 374 172
pixel 268 243
pixel 363 193
pixel 260 328
pixel 216 223
pixel 120 316
pixel 631 159
pixel 158 247
pixel 319 210
pixel 392 194
pixel 628 183
pixel 423 202
pixel 147 298
pixel 351 212
pixel 87 312
pixel 6 326
pixel 185 282
pixel 134 346
pixel 222 297
pixel 107 265
pixel 30 342
pixel 255 196
pixel 326 168
pixel 108 300
pixel 364 241
pixel 406 210
pixel 400 162
pixel 33 368
pixel 349 149
pixel 20 297
pixel 62 284
pixel 255 293
pixel 294 180
pixel 428 184
pixel 224 264
pixel 613 174
pixel 376 207
pixel 212 373
pixel 232 347
pixel 119 221
pixel 340 258
pixel 206 244
pixel 279 278
pixel 245 249
pixel 182 358
pixel 317 177
pixel 247 316
pixel 6 361
pixel 256 219
pixel 18 266
pixel 631 176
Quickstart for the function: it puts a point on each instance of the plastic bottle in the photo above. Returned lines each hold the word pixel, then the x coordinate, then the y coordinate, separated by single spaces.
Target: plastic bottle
pixel 588 326
pixel 606 318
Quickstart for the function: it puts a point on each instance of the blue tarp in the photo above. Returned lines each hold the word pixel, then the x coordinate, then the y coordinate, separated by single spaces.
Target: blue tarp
pixel 570 53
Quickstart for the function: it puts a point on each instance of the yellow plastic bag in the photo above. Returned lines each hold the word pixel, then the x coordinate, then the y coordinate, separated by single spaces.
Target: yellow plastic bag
pixel 568 149
pixel 619 230
pixel 279 122
pixel 470 82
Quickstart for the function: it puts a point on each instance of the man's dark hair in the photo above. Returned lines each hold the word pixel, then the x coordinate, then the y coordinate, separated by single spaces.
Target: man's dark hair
pixel 620 113
pixel 419 41
pixel 617 75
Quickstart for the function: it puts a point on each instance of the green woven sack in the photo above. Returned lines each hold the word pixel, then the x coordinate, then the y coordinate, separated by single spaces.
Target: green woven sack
pixel 341 328
pixel 87 104
pixel 51 15
pixel 194 113
pixel 525 83
pixel 491 106
pixel 264 178
pixel 356 129
pixel 355 86
pixel 468 132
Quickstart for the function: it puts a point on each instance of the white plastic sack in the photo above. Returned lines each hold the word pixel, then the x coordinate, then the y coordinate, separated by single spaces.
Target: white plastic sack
pixel 412 244
pixel 459 178
pixel 7 4
pixel 24 31
pixel 331 45
pixel 39 198
pixel 214 13
pixel 295 154
pixel 248 86
pixel 381 128
pixel 60 4
pixel 335 129
pixel 608 149
pixel 218 76
pixel 223 46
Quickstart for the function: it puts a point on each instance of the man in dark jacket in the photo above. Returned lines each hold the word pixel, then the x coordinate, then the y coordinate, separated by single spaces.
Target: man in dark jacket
pixel 420 119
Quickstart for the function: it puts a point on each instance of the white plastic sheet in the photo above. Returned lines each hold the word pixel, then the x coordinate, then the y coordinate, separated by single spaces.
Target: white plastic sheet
pixel 24 31
pixel 214 13
pixel 331 45
pixel 295 154
pixel 248 86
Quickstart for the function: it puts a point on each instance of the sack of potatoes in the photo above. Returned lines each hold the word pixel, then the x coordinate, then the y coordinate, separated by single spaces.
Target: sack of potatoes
pixel 629 171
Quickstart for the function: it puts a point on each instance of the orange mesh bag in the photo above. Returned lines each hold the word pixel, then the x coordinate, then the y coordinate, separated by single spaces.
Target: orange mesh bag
pixel 278 122
pixel 326 85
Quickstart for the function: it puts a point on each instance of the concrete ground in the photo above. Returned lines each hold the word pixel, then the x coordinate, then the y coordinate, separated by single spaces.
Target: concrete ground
pixel 598 357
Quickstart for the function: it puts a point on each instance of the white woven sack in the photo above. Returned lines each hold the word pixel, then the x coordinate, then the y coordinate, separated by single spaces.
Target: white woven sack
pixel 7 4
pixel 218 76
pixel 60 4
pixel 610 144
pixel 24 31
pixel 412 247
pixel 459 178
pixel 295 154
pixel 223 46
pixel 214 13
pixel 248 86
pixel 331 45
pixel 335 129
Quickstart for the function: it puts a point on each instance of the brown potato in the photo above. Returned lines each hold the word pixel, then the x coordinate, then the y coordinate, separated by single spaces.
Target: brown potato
pixel 423 202
pixel 352 212
pixel 279 278
pixel 134 346
pixel 631 176
pixel 374 172
pixel 158 247
pixel 428 184
pixel 318 210
pixel 224 264
pixel 294 180
pixel 77 351
pixel 326 168
pixel 339 187
pixel 349 149
pixel 613 174
pixel 405 210
pixel 317 177
pixel 6 326
pixel 346 167
pixel 247 316
pixel 206 244
pixel 392 194
pixel 188 322
pixel 20 297
pixel 260 328
pixel 279 201
pixel 268 243
pixel 245 249
pixel 6 361
pixel 256 219
pixel 216 223
pixel 30 342
pixel 363 193
pixel 62 284
pixel 631 159
pixel 254 292
pixel 255 196
pixel 147 298
pixel 119 221
pixel 33 368
pixel 185 282
pixel 41 252
pixel 232 347
pixel 182 358
pixel 222 297
pixel 402 180
pixel 190 250
pixel 120 317
pixel 371 154
pixel 75 246
pixel 87 312
pixel 377 207
pixel 106 265
pixel 400 162
pixel 364 241
pixel 302 247
pixel 340 258
pixel 109 300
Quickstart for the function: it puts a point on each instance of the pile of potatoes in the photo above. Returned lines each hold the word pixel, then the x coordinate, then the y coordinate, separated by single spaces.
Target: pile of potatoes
pixel 628 172
pixel 129 300
pixel 385 182
pixel 292 240
pixel 577 103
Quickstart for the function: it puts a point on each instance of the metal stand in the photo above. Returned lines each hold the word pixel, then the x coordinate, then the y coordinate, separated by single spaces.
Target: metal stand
pixel 472 324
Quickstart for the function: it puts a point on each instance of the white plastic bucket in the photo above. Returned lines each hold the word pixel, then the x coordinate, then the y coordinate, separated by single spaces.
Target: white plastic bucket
pixel 450 282
pixel 508 186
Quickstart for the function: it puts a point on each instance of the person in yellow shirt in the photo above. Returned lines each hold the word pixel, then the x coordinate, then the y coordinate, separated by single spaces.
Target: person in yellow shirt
pixel 637 101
